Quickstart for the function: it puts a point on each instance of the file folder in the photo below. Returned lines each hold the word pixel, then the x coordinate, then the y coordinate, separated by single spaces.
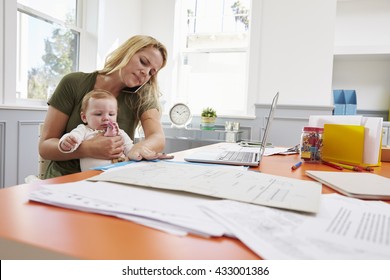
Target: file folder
pixel 353 144
pixel 343 143
pixel 350 102
pixel 339 102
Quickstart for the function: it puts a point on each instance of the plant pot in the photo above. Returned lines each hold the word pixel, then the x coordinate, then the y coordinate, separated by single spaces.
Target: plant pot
pixel 207 123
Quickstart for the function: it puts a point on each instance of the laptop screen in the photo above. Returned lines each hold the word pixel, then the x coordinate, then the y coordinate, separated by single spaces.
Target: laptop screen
pixel 269 121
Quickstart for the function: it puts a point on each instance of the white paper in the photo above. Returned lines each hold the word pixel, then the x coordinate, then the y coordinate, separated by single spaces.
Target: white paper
pixel 210 180
pixel 162 226
pixel 279 234
pixel 319 120
pixel 276 151
pixel 352 221
pixel 113 199
pixel 372 136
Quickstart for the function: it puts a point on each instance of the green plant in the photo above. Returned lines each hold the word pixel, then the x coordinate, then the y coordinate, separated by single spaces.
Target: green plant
pixel 209 113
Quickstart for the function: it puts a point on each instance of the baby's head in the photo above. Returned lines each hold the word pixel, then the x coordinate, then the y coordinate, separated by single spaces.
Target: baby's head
pixel 98 109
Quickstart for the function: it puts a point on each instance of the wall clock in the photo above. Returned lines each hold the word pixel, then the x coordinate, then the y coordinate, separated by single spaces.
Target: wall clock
pixel 180 115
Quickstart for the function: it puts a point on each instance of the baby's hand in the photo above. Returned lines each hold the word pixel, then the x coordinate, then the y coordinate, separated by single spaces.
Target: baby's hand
pixel 69 143
pixel 112 129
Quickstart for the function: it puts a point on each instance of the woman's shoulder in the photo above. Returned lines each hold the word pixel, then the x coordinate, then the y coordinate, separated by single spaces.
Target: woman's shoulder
pixel 80 76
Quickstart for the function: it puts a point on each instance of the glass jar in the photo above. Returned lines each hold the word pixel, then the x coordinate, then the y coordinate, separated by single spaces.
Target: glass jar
pixel 311 144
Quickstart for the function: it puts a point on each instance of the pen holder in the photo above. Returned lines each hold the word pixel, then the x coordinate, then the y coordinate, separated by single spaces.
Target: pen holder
pixel 311 144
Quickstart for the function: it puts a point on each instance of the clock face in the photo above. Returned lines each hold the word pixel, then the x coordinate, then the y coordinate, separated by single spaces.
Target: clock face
pixel 180 114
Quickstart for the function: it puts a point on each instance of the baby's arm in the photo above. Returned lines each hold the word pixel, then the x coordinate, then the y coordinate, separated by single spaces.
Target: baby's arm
pixel 68 143
pixel 128 143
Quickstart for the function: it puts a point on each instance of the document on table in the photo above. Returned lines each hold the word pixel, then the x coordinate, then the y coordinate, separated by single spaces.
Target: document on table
pixel 211 180
pixel 344 228
pixel 164 210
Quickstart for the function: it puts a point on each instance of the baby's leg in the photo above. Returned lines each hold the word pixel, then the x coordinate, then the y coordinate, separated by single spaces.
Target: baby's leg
pixel 122 158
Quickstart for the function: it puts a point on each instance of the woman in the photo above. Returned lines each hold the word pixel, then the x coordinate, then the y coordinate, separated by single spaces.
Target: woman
pixel 130 74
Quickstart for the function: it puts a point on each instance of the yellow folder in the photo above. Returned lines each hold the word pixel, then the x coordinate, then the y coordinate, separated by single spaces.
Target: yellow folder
pixel 343 143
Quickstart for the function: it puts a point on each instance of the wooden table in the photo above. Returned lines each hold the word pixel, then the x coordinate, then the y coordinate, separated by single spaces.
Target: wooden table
pixel 30 230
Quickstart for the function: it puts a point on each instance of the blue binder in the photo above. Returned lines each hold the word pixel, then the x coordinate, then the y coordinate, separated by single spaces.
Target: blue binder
pixel 350 102
pixel 339 102
pixel 345 102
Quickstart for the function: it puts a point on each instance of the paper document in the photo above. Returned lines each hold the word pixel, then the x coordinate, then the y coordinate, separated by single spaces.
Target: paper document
pixel 160 209
pixel 354 184
pixel 211 180
pixel 352 222
pixel 344 228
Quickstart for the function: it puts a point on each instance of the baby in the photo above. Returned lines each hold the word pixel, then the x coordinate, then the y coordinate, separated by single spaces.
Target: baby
pixel 98 112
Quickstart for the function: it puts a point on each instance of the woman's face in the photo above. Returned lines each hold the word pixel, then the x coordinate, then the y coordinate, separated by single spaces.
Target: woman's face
pixel 141 67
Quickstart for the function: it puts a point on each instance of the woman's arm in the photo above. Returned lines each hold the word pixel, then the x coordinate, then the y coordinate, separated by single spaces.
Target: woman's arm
pixel 154 142
pixel 98 147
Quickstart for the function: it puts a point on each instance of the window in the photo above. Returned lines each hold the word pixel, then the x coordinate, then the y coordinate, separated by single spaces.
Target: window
pixel 47 47
pixel 212 67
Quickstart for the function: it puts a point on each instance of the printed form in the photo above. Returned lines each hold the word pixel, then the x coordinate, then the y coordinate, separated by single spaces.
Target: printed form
pixel 344 228
pixel 167 211
pixel 228 183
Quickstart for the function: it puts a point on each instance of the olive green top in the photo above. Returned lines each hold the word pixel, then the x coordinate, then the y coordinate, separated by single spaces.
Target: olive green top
pixel 68 97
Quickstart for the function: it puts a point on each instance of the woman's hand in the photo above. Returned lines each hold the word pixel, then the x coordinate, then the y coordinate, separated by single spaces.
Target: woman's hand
pixel 103 147
pixel 139 152
pixel 150 148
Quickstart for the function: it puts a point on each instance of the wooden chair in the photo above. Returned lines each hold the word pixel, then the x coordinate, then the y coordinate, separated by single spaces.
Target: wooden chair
pixel 42 163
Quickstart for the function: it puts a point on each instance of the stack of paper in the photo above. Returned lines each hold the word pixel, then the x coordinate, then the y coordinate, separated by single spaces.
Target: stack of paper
pixel 344 228
pixel 159 209
pixel 326 227
pixel 214 181
pixel 166 195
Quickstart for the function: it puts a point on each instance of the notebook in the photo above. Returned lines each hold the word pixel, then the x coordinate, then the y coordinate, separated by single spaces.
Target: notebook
pixel 237 157
pixel 354 184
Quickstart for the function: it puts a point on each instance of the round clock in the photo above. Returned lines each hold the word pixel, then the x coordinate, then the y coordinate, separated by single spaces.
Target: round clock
pixel 180 115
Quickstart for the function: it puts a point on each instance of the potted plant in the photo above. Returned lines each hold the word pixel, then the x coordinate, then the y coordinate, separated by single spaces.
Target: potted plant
pixel 208 118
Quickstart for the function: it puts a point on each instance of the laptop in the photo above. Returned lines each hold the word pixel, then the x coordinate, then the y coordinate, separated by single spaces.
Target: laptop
pixel 237 156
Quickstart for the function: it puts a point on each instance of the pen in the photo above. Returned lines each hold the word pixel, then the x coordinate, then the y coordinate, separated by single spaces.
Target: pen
pixel 333 165
pixel 367 168
pixel 295 166
pixel 350 167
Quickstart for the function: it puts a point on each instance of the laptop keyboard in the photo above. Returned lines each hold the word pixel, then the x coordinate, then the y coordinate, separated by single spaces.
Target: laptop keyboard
pixel 237 156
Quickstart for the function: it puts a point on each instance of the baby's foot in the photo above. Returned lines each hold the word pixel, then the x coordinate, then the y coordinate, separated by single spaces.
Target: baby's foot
pixel 112 129
pixel 120 159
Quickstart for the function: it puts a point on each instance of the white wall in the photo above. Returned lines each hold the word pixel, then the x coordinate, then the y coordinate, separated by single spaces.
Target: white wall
pixel 158 21
pixel 362 48
pixel 117 21
pixel 121 19
pixel 368 75
pixel 9 51
pixel 363 23
pixel 89 39
pixel 1 52
pixel 296 51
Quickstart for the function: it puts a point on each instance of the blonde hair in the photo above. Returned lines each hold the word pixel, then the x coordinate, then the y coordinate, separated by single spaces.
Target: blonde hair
pixel 97 94
pixel 149 93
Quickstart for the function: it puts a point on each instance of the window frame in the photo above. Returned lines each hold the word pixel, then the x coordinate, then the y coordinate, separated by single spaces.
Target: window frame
pixel 8 56
pixel 31 12
pixel 182 50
